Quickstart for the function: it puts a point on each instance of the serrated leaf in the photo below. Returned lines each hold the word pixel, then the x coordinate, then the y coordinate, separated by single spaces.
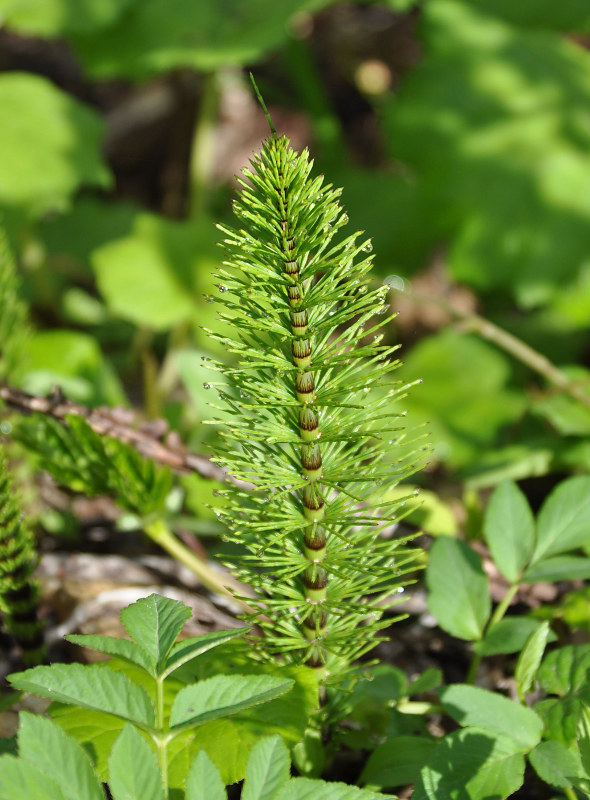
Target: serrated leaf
pixel 267 769
pixel 20 780
pixel 566 671
pixel 308 789
pixel 187 649
pixel 112 646
pixel 458 596
pixel 154 622
pixel 133 768
pixel 94 687
pixel 509 529
pixel 530 659
pixel 509 635
pixel 472 706
pixel 471 764
pixel 44 744
pixel 564 520
pixel 222 696
pixel 556 765
pixel 204 780
pixel 558 568
pixel 397 761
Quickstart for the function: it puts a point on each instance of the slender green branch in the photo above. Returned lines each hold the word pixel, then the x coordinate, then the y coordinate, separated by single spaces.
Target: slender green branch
pixel 569 793
pixel 516 347
pixel 159 532
pixel 498 614
pixel 203 145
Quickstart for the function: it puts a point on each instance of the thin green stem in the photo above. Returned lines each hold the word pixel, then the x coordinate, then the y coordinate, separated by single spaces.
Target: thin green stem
pixel 498 614
pixel 516 347
pixel 569 793
pixel 160 533
pixel 162 740
pixel 203 146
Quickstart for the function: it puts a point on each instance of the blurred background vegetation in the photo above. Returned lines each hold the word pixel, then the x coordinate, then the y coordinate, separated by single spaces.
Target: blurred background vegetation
pixel 459 129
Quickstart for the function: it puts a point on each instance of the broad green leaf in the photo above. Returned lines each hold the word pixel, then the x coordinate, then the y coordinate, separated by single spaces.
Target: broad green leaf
pixel 44 744
pixel 112 646
pixel 133 768
pixel 94 687
pixel 583 737
pixel 472 706
pixel 458 596
pixel 222 696
pixel 558 568
pixel 559 715
pixel 397 761
pixel 187 649
pixel 568 16
pixel 465 397
pixel 59 17
pixel 49 145
pixel 154 275
pixel 267 769
pixel 204 780
pixel 97 731
pixel 307 789
pixel 509 635
pixel 530 659
pixel 509 528
pixel 20 780
pixel 153 623
pixel 556 765
pixel 471 764
pixel 431 678
pixel 566 671
pixel 152 38
pixel 72 360
pixel 564 519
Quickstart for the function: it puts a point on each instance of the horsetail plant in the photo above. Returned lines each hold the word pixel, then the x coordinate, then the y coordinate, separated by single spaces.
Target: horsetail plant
pixel 19 591
pixel 310 419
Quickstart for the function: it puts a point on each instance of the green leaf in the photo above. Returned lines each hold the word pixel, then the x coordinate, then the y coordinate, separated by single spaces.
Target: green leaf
pixel 558 568
pixel 509 529
pixel 94 687
pixel 267 769
pixel 56 17
pixel 556 765
pixel 20 780
pixel 133 768
pixel 43 744
pixel 566 671
pixel 307 789
pixel 559 717
pixel 465 398
pixel 471 764
pixel 72 360
pixel 154 622
pixel 187 649
pixel 49 145
pixel 204 780
pixel 431 678
pixel 583 737
pixel 509 635
pixel 222 696
pixel 397 761
pixel 470 705
pixel 458 596
pixel 112 646
pixel 564 519
pixel 151 39
pixel 95 730
pixel 530 659
pixel 153 275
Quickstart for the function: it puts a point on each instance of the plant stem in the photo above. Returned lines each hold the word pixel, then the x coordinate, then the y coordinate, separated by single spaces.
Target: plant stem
pixel 162 740
pixel 516 347
pixel 569 793
pixel 498 614
pixel 203 145
pixel 160 533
